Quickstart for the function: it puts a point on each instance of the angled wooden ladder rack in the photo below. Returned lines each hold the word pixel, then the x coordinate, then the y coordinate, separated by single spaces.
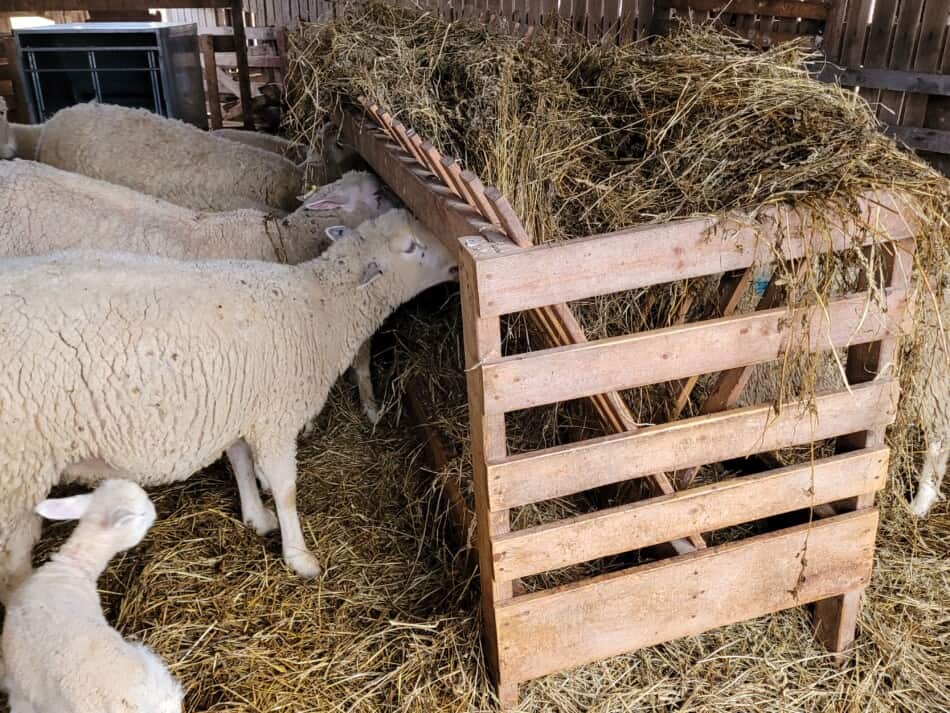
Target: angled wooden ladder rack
pixel 530 635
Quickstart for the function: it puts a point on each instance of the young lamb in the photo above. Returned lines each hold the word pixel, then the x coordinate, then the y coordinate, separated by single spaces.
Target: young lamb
pixel 7 138
pixel 60 652
pixel 167 159
pixel 122 365
pixel 326 164
pixel 26 140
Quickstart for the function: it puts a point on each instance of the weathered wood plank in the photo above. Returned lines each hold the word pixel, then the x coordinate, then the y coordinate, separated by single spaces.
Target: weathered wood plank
pixel 655 254
pixel 807 9
pixel 892 79
pixel 710 507
pixel 919 139
pixel 563 470
pixel 547 631
pixel 564 373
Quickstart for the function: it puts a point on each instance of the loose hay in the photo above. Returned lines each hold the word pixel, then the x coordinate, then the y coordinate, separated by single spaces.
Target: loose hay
pixel 393 625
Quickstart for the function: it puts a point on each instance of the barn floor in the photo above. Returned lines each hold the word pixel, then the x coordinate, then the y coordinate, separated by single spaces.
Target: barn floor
pixel 392 626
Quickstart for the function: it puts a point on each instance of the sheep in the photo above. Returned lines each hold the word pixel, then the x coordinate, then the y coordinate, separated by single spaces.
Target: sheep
pixel 167 159
pixel 327 164
pixel 61 655
pixel 26 139
pixel 7 137
pixel 145 368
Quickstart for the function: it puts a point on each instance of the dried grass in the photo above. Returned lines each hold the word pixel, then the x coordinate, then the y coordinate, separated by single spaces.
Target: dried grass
pixel 393 625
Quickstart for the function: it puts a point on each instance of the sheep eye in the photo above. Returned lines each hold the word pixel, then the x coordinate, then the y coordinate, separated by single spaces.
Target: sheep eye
pixel 412 246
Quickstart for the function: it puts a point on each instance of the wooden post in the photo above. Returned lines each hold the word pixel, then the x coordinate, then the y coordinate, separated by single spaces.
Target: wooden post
pixel 206 43
pixel 244 71
pixel 20 114
pixel 482 338
pixel 836 618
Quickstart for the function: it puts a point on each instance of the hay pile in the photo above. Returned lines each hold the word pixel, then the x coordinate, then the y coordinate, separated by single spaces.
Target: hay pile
pixel 587 138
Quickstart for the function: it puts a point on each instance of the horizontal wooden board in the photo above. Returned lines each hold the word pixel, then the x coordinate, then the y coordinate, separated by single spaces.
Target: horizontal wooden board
pixel 555 472
pixel 252 33
pixel 655 254
pixel 551 630
pixel 229 59
pixel 665 518
pixel 921 139
pixel 574 371
pixel 893 79
pixel 807 10
pixel 104 5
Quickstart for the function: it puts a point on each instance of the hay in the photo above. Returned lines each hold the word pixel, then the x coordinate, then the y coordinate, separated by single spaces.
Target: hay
pixel 393 625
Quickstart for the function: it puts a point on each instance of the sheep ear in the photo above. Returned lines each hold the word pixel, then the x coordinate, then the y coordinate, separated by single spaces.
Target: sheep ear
pixel 71 508
pixel 121 517
pixel 335 232
pixel 372 273
pixel 326 203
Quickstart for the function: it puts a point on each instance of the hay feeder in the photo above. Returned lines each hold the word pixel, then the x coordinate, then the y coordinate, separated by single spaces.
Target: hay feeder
pixel 826 561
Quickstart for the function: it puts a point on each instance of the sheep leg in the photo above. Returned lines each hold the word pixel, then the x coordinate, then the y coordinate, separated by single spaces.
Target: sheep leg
pixel 253 510
pixel 16 555
pixel 364 382
pixel 18 704
pixel 931 476
pixel 279 466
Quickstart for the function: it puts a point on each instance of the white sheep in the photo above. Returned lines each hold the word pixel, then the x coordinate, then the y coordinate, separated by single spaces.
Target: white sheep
pixel 7 138
pixel 326 163
pixel 26 139
pixel 167 159
pixel 122 365
pixel 60 652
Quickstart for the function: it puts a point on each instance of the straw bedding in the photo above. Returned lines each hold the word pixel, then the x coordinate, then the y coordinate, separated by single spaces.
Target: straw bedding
pixel 583 139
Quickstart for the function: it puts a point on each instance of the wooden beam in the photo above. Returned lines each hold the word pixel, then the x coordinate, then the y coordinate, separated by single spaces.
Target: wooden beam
pixel 806 9
pixel 919 139
pixel 564 470
pixel 547 631
pixel 105 5
pixel 244 72
pixel 892 79
pixel 563 373
pixel 232 59
pixel 519 280
pixel 711 507
pixel 206 46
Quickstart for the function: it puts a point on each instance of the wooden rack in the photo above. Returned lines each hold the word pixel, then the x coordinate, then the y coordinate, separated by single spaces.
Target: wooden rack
pixel 530 635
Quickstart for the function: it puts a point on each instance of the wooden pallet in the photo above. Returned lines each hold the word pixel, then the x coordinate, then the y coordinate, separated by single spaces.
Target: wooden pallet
pixel 826 561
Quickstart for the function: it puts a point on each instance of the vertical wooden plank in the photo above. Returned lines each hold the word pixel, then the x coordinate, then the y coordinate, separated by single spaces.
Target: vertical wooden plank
pixel 206 44
pixel 836 618
pixel 902 56
pixel 646 12
pixel 610 25
pixel 933 25
pixel 852 46
pixel 482 338
pixel 880 37
pixel 244 72
pixel 595 19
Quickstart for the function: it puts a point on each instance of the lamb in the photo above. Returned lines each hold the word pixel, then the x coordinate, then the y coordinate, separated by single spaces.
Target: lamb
pixel 167 159
pixel 145 368
pixel 60 653
pixel 7 138
pixel 26 139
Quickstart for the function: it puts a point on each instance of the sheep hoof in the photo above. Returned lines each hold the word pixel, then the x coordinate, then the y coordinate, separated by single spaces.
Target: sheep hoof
pixel 263 522
pixel 304 564
pixel 373 414
pixel 925 500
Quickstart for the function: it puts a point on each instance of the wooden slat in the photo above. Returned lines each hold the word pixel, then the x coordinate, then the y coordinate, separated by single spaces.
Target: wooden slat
pixel 210 68
pixel 922 139
pixel 449 218
pixel 564 373
pixel 655 254
pixel 547 631
pixel 892 79
pixel 252 33
pixel 808 9
pixel 834 29
pixel 563 470
pixel 244 73
pixel 105 5
pixel 707 508
pixel 230 59
pixel 902 55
